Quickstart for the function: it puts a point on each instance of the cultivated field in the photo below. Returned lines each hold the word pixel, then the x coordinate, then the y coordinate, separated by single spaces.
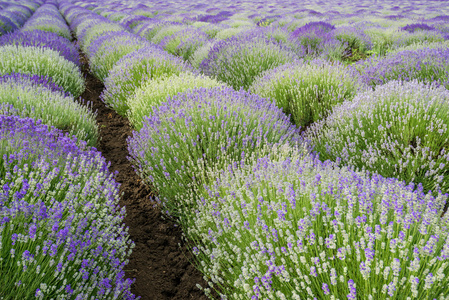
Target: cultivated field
pixel 224 149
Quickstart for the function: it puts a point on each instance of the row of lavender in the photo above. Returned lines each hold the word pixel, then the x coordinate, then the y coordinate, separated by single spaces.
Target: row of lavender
pixel 61 228
pixel 267 218
pixel 14 14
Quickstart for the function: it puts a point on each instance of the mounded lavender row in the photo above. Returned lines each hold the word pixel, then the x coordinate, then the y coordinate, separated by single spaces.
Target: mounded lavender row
pixel 48 18
pixel 425 64
pixel 39 98
pixel 297 228
pixel 200 131
pixel 15 14
pixel 399 130
pixel 105 51
pixel 43 39
pixel 308 90
pixel 155 92
pixel 60 223
pixel 124 61
pixel 134 70
pixel 43 62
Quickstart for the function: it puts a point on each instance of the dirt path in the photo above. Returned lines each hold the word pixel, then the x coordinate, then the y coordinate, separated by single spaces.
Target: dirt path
pixel 161 268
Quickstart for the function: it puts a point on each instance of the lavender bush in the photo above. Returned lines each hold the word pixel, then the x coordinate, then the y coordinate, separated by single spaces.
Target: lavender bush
pixel 132 21
pixel 201 54
pixel 199 129
pixel 300 228
pixel 107 50
pixel 357 44
pixel 411 28
pixel 310 39
pixel 387 39
pixel 60 224
pixel 383 38
pixel 48 18
pixel 420 46
pixel 185 42
pixel 418 37
pixel 210 29
pixel 95 31
pixel 39 98
pixel 42 62
pixel 150 29
pixel 399 130
pixel 227 33
pixel 156 91
pixel 308 90
pixel 166 31
pixel 133 70
pixel 6 25
pixel 237 61
pixel 43 39
pixel 424 65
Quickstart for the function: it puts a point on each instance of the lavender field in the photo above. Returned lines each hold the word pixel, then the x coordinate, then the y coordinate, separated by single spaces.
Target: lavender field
pixel 224 149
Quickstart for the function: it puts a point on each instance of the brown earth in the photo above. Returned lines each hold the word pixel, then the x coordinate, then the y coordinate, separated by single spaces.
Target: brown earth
pixel 160 266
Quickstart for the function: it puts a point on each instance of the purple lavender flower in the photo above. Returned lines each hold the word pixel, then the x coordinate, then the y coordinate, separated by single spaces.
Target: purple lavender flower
pixel 352 290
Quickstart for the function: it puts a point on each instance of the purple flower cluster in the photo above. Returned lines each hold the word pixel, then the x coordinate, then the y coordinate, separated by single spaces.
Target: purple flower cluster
pixel 59 217
pixel 6 25
pixel 213 19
